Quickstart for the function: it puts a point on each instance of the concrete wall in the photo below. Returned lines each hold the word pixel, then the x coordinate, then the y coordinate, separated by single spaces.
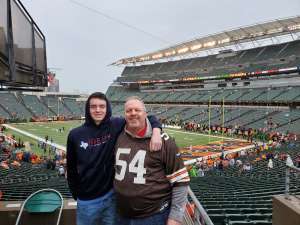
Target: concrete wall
pixel 9 213
pixel 286 211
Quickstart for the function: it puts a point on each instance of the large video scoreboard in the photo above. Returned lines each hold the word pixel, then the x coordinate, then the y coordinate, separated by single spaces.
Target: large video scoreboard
pixel 22 48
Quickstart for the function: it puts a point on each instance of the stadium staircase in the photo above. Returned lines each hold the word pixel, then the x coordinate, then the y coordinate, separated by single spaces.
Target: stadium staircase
pixel 21 101
pixel 260 119
pixel 72 106
pixel 68 107
pixel 4 113
pixel 36 106
pixel 293 126
pixel 15 108
pixel 56 106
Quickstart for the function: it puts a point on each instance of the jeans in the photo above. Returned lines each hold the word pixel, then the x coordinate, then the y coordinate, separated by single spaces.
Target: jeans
pixel 156 219
pixel 99 211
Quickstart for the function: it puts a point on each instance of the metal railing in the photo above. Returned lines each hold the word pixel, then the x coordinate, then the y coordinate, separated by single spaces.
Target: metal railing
pixel 291 170
pixel 197 215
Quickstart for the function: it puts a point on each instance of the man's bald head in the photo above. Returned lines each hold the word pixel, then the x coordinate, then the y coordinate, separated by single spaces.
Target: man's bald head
pixel 135 114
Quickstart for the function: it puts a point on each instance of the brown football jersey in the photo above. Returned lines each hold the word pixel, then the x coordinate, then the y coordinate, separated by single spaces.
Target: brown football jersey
pixel 143 179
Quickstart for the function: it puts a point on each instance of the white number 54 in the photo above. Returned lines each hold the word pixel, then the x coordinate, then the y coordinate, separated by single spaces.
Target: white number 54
pixel 135 166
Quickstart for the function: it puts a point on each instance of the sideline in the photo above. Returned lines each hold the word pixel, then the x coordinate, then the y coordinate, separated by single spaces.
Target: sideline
pixel 60 147
pixel 199 159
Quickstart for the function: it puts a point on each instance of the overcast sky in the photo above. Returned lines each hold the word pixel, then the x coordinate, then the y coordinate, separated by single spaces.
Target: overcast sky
pixel 82 43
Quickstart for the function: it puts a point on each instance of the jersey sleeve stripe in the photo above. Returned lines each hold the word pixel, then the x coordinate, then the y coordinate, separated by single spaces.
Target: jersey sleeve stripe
pixel 179 177
pixel 184 180
pixel 176 173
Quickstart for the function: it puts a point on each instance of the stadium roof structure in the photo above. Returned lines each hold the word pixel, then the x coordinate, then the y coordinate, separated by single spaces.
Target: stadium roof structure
pixel 239 35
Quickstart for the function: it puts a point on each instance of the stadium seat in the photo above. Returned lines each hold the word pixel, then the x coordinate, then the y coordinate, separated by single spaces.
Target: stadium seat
pixel 40 204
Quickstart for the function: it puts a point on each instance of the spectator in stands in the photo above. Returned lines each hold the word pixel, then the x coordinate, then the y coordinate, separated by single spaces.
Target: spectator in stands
pixel 232 162
pixel 297 161
pixel 222 152
pixel 200 171
pixel 48 164
pixel 154 192
pixel 2 139
pixel 295 138
pixel 4 165
pixel 221 166
pixel 61 171
pixel 269 156
pixel 247 167
pixel 53 164
pixel 289 161
pixel 215 164
pixel 15 164
pixel 193 171
pixel 242 153
pixel 270 164
pixel 26 156
pixel 44 147
pixel 239 162
pixel 225 163
pixel 90 160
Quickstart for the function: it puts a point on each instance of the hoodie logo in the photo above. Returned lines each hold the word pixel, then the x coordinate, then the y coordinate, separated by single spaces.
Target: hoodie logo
pixel 84 145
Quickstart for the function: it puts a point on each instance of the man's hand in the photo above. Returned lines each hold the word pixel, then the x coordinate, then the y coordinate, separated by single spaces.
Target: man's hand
pixel 173 222
pixel 155 143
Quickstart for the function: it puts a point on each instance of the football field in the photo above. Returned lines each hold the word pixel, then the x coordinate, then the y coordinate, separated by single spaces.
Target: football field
pixel 58 131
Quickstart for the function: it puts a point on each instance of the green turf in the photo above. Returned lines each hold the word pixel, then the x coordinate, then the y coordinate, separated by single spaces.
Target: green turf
pixel 33 142
pixel 183 139
pixel 50 129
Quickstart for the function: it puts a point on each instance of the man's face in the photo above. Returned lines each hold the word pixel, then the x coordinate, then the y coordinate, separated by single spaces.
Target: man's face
pixel 97 109
pixel 135 115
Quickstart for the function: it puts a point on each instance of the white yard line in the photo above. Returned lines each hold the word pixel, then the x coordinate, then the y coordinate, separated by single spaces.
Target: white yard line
pixel 35 137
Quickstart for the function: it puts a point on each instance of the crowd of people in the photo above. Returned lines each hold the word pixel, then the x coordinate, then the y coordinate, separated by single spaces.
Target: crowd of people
pixel 14 152
pixel 251 134
pixel 246 159
pixel 126 172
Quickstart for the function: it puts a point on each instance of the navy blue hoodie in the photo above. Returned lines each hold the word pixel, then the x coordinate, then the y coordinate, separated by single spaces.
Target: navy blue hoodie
pixel 90 155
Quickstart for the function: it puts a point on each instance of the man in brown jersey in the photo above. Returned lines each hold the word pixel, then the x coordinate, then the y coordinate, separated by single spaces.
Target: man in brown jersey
pixel 151 187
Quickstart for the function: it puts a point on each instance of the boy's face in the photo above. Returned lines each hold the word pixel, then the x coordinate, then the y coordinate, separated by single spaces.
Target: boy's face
pixel 97 109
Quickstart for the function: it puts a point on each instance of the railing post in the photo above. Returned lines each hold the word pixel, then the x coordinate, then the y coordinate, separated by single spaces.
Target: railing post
pixel 287 182
pixel 201 216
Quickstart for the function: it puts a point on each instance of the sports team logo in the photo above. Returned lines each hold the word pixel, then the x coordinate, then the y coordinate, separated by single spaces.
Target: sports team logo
pixel 84 145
